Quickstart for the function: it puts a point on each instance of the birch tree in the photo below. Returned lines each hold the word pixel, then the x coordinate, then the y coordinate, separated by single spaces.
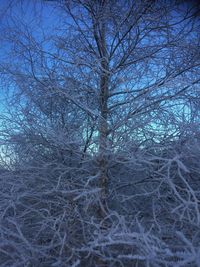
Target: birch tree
pixel 119 63
pixel 98 124
pixel 140 54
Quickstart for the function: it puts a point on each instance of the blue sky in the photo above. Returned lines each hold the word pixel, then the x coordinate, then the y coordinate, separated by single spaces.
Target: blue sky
pixel 34 14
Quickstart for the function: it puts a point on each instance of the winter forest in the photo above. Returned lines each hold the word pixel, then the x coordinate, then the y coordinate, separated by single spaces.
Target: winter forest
pixel 100 133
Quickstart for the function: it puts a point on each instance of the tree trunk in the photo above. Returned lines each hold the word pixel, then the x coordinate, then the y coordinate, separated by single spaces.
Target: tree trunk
pixel 103 123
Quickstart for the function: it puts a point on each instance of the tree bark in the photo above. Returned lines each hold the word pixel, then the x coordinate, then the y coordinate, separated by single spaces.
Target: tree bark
pixel 103 140
pixel 103 122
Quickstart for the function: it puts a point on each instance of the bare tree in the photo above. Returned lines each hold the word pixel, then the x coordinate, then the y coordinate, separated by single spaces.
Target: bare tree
pixel 98 116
